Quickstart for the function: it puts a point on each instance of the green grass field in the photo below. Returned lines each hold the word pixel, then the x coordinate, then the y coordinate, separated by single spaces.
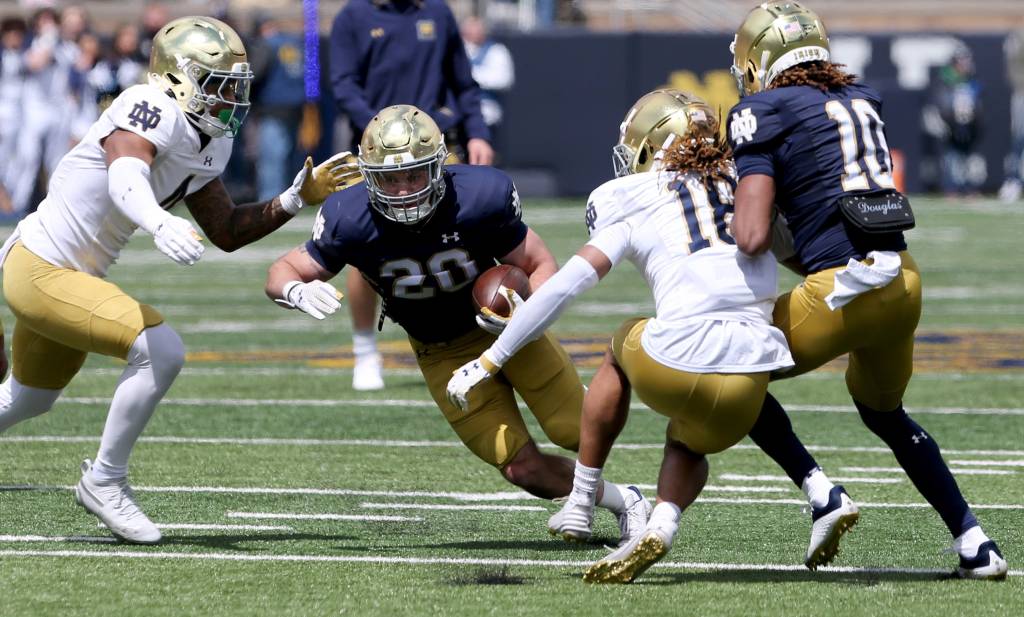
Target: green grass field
pixel 281 491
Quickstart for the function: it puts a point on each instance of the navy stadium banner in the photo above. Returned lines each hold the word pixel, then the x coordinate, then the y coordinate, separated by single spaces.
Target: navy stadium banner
pixel 573 88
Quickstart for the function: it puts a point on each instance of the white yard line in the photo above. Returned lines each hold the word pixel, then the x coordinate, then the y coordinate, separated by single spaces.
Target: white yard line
pixel 964 472
pixel 89 539
pixel 405 403
pixel 399 443
pixel 447 506
pixel 993 463
pixel 432 561
pixel 215 527
pixel 499 496
pixel 298 516
pixel 777 478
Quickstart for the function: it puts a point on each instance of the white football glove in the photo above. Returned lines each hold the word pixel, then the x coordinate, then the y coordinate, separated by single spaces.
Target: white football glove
pixel 312 185
pixel 179 240
pixel 491 321
pixel 316 298
pixel 469 376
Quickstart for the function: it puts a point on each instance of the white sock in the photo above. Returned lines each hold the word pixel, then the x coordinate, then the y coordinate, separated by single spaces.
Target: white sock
pixel 969 541
pixel 364 343
pixel 665 518
pixel 817 487
pixel 154 360
pixel 584 484
pixel 611 498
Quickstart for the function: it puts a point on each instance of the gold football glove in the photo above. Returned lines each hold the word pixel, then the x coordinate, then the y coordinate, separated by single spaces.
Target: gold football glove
pixel 312 185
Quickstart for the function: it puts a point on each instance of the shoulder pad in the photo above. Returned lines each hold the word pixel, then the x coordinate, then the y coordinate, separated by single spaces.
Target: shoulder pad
pixel 149 113
pixel 753 120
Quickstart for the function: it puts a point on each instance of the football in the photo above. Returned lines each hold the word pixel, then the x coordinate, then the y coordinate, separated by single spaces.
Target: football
pixel 485 289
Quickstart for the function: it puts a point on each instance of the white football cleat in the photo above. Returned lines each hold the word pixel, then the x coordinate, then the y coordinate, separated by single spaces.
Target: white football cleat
pixel 987 564
pixel 828 525
pixel 633 519
pixel 367 374
pixel 633 558
pixel 114 504
pixel 573 522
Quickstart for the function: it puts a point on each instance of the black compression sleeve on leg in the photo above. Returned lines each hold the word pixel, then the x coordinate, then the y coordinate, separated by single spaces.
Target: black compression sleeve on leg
pixel 773 433
pixel 920 457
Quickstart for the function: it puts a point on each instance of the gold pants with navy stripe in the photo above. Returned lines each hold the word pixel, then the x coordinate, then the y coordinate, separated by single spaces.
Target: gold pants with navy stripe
pixel 876 329
pixel 708 412
pixel 64 314
pixel 493 428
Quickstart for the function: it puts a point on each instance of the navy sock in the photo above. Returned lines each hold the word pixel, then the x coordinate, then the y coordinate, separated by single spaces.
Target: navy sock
pixel 919 456
pixel 773 433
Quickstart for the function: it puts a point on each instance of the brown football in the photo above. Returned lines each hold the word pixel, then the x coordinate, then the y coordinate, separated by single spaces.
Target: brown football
pixel 485 289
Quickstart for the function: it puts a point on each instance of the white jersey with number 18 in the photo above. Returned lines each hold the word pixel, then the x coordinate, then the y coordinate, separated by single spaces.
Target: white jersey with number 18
pixel 713 304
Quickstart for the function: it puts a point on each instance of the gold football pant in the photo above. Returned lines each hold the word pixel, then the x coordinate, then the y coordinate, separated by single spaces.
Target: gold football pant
pixel 876 329
pixel 62 315
pixel 493 429
pixel 708 412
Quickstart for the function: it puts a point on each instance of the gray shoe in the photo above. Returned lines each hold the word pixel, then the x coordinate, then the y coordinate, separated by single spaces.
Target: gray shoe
pixel 633 519
pixel 114 504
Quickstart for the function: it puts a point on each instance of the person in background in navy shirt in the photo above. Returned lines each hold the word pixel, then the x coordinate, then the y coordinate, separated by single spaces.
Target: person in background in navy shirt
pixel 806 137
pixel 390 52
pixel 422 232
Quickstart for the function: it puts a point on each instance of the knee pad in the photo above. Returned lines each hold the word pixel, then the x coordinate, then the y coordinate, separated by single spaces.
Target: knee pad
pixel 159 348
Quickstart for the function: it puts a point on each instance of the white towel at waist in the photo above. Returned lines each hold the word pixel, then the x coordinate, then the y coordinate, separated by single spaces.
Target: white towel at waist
pixel 857 277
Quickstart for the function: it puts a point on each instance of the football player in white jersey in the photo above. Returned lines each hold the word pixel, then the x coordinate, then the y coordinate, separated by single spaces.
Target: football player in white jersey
pixel 703 360
pixel 155 145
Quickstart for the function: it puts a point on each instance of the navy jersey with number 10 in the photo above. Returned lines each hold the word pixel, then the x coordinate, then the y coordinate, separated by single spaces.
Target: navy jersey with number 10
pixel 425 273
pixel 818 146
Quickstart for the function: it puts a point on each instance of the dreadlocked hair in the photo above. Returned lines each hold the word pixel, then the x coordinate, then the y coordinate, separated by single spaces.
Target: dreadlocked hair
pixel 708 157
pixel 819 74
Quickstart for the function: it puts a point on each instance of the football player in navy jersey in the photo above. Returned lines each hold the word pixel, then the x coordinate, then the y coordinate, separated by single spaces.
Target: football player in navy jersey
pixel 421 233
pixel 810 143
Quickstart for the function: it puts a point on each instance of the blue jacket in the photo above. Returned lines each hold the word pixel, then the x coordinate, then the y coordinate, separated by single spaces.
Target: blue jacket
pixel 403 52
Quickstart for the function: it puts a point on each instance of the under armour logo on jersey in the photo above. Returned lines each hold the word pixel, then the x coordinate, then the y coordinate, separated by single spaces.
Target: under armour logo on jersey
pixel 922 436
pixel 144 116
pixel 454 237
pixel 590 217
pixel 743 126
pixel 208 161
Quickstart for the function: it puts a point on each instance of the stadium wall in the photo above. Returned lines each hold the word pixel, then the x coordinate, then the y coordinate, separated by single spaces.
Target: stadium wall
pixel 573 88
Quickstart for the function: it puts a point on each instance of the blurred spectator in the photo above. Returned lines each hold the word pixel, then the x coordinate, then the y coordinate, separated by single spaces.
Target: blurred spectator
pixel 84 110
pixel 1014 184
pixel 952 117
pixel 12 43
pixel 387 53
pixel 47 106
pixel 122 67
pixel 492 69
pixel 279 98
pixel 154 16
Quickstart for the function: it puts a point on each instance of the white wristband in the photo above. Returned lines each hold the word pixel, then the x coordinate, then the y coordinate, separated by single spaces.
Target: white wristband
pixel 287 290
pixel 291 202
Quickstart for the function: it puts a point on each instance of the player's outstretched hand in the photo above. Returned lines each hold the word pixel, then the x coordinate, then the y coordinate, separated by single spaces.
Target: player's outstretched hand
pixel 467 377
pixel 179 240
pixel 493 322
pixel 316 298
pixel 312 185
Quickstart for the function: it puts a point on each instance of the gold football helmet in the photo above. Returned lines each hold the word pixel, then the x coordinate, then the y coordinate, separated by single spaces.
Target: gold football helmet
pixel 402 157
pixel 654 122
pixel 201 62
pixel 774 37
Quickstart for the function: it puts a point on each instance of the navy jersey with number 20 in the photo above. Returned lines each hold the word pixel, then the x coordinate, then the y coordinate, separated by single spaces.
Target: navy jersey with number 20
pixel 818 146
pixel 425 272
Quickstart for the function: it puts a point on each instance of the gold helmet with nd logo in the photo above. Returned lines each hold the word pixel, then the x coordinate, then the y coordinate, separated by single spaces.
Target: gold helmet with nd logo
pixel 653 121
pixel 776 36
pixel 402 155
pixel 202 63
